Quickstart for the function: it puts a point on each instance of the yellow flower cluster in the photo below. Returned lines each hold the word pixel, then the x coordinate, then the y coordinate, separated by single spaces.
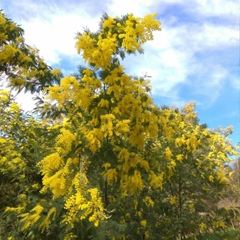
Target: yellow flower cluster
pixel 94 137
pixel 10 106
pixel 56 183
pixel 65 141
pixel 29 219
pixel 11 160
pixel 132 184
pixel 57 174
pixel 143 223
pixel 138 28
pixel 188 110
pixel 7 53
pixel 108 23
pixel 63 92
pixel 202 226
pixel 4 96
pixel 97 51
pixel 51 163
pixel 79 207
pixel 173 200
pixel 107 124
pixel 14 108
pixel 127 34
pixel 130 160
pixel 168 153
pixel 156 180
pixel 46 222
pixel 148 201
pixel 111 175
pixel 219 224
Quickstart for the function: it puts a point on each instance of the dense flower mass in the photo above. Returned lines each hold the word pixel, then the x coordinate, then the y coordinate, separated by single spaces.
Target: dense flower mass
pixel 101 160
pixel 116 34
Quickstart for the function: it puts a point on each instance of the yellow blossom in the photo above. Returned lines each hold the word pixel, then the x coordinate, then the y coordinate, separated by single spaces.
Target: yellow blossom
pixel 148 201
pixel 211 178
pixel 173 200
pixel 14 107
pixel 179 157
pixel 143 223
pixel 202 226
pixel 108 23
pixel 168 153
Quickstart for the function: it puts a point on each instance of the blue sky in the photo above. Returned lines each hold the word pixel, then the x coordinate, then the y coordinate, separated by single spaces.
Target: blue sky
pixel 196 56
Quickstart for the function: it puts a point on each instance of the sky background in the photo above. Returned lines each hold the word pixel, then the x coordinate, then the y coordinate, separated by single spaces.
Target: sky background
pixel 196 56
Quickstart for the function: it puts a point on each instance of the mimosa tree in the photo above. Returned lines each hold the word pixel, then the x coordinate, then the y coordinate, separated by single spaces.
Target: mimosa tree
pixel 113 165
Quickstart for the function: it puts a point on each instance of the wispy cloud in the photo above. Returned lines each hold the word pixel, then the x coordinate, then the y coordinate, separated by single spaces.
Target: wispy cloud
pixel 220 8
pixel 137 7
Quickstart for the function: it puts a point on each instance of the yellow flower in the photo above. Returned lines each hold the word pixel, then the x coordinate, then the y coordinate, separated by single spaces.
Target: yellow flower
pixel 14 107
pixel 111 175
pixel 211 178
pixel 65 122
pixel 173 163
pixel 29 219
pixel 143 223
pixel 108 23
pixel 96 223
pixel 202 226
pixel 4 92
pixel 156 181
pixel 219 224
pixel 180 157
pixel 168 153
pixel 2 140
pixel 65 140
pixel 173 200
pixel 148 201
pixel 35 186
pixel 191 207
pixel 147 235
pixel 22 196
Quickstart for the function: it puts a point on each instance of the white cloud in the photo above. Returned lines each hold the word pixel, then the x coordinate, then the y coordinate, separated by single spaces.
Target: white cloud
pixel 137 7
pixel 215 36
pixel 221 8
pixel 210 82
pixel 234 81
pixel 25 101
pixel 53 37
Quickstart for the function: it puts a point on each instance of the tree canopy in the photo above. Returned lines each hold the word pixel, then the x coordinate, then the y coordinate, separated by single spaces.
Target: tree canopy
pixel 20 63
pixel 102 160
